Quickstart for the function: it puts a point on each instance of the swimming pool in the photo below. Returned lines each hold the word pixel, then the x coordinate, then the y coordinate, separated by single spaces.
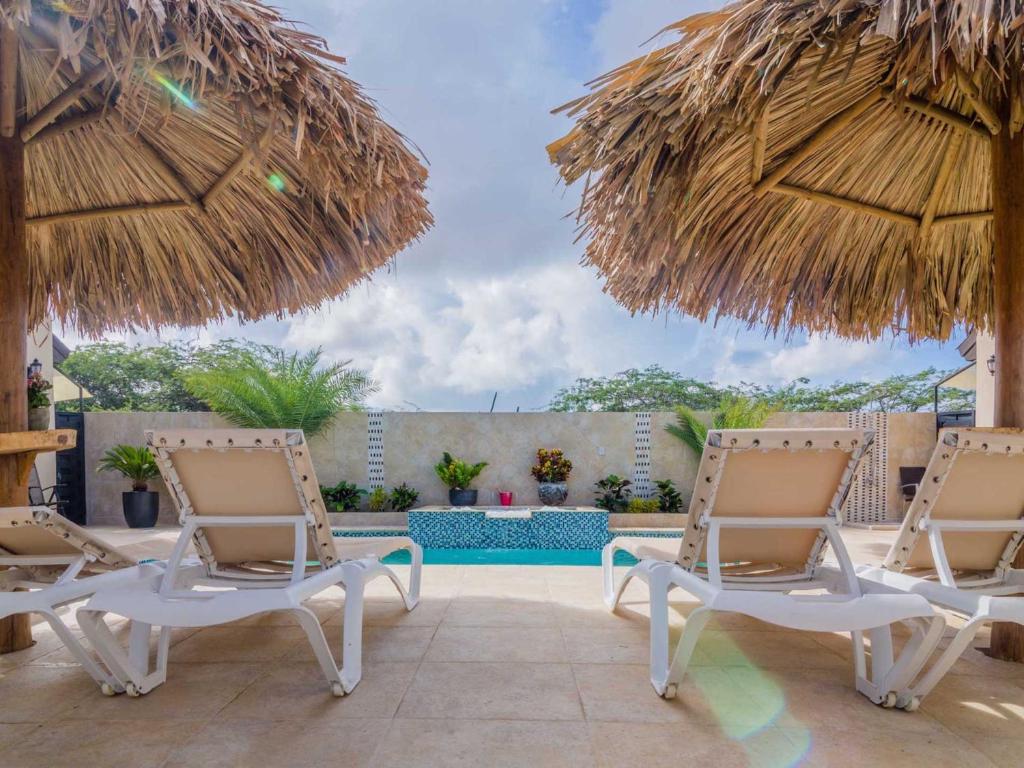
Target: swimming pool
pixel 506 556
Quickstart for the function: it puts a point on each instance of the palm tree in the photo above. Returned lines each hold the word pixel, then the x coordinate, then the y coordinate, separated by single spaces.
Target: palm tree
pixel 269 388
pixel 734 412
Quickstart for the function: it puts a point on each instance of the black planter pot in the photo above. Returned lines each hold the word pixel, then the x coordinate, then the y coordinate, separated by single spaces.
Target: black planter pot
pixel 465 497
pixel 141 508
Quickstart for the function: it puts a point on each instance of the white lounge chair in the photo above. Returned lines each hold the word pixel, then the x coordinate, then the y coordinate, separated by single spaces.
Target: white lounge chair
pixel 250 503
pixel 765 506
pixel 47 562
pixel 958 541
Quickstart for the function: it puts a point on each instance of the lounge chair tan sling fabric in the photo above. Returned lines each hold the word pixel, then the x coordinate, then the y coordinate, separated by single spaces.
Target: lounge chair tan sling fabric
pixel 39 531
pixel 973 475
pixel 233 473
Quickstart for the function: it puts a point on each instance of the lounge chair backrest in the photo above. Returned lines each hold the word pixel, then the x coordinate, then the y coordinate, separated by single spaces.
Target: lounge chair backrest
pixel 39 532
pixel 766 473
pixel 974 475
pixel 223 473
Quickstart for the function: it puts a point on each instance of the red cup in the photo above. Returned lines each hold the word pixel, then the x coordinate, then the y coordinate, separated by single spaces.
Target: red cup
pixel 506 498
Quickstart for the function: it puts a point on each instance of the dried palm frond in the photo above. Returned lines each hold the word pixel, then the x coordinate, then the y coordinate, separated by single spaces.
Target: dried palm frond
pixel 815 164
pixel 192 159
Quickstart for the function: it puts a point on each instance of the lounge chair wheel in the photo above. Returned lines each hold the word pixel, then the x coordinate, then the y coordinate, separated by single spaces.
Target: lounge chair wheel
pixel 913 704
pixel 132 690
pixel 670 691
pixel 337 690
pixel 107 689
pixel 890 700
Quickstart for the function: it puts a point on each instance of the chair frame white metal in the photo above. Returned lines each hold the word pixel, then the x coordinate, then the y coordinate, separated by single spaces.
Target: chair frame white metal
pixel 43 584
pixel 207 593
pixel 979 599
pixel 767 596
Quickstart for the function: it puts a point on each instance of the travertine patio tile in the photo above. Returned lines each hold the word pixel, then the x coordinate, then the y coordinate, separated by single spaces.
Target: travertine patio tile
pixel 656 744
pixel 281 744
pixel 298 690
pixel 845 749
pixel 1002 752
pixel 37 693
pixel 391 611
pixel 490 743
pixel 81 744
pixel 767 650
pixel 500 612
pixel 401 643
pixel 192 692
pixel 518 644
pixel 496 691
pixel 16 733
pixel 978 705
pixel 607 645
pixel 237 644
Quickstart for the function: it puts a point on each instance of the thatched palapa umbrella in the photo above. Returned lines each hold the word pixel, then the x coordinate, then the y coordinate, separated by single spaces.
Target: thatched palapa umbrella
pixel 841 166
pixel 179 161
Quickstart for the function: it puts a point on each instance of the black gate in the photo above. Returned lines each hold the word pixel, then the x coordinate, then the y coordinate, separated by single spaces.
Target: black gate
pixel 71 469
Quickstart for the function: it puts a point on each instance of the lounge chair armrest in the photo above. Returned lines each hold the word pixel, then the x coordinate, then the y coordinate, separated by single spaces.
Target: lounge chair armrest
pixel 973 525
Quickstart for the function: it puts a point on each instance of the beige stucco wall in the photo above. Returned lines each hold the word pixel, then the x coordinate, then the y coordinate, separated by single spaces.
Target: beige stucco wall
pixel 597 443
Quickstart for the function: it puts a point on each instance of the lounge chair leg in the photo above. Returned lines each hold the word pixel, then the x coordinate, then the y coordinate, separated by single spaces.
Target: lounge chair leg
pixel 658 582
pixel 640 569
pixel 318 642
pixel 889 679
pixel 415 576
pixel 910 698
pixel 695 624
pixel 95 670
pixel 608 574
pixel 131 669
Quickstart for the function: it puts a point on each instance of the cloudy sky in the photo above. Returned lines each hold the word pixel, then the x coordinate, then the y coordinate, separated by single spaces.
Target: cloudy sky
pixel 493 299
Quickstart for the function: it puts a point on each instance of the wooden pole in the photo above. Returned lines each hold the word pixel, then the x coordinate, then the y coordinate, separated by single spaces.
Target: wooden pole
pixel 1008 246
pixel 15 631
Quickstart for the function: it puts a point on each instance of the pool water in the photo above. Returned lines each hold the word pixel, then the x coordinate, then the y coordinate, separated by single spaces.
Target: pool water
pixel 509 557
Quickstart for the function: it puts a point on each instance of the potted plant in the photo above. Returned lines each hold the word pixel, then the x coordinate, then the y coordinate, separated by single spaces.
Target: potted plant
pixel 612 493
pixel 141 506
pixel 457 475
pixel 551 473
pixel 404 498
pixel 38 402
pixel 377 501
pixel 343 497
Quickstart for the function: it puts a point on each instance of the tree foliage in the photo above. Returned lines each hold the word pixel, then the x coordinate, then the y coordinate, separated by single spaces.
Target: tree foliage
pixel 655 389
pixel 259 386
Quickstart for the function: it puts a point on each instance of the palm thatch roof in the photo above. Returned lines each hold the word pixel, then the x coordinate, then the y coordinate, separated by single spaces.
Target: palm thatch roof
pixel 186 160
pixel 815 164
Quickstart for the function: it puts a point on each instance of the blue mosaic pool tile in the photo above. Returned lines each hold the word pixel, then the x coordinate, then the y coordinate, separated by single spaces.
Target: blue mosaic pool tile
pixel 471 529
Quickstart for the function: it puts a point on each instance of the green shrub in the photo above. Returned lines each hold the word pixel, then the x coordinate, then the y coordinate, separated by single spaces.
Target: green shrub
pixel 642 506
pixel 377 501
pixel 134 462
pixel 456 473
pixel 669 499
pixel 404 498
pixel 612 493
pixel 343 497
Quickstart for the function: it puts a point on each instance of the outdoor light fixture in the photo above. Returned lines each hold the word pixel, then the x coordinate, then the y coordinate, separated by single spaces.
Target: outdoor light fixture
pixel 35 367
pixel 991 364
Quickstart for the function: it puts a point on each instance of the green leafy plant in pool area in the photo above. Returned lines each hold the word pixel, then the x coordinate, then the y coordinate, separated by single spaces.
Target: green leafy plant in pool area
pixel 642 506
pixel 134 462
pixel 404 498
pixel 669 499
pixel 343 497
pixel 612 493
pixel 734 412
pixel 377 501
pixel 457 474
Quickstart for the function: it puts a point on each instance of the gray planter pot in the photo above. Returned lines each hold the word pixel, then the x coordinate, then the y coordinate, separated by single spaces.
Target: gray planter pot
pixel 141 508
pixel 38 419
pixel 465 497
pixel 552 494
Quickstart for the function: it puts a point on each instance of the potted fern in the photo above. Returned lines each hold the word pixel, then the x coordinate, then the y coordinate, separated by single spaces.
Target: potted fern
pixel 457 475
pixel 141 506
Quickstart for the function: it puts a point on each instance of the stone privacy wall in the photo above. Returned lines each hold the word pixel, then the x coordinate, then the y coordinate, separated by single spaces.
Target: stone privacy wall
pixel 369 448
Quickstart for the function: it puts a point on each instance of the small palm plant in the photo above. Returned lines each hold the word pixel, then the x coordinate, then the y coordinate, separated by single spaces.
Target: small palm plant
pixel 736 412
pixel 456 473
pixel 134 462
pixel 265 387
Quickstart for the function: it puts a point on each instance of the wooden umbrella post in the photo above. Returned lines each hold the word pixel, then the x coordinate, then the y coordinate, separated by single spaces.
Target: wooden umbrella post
pixel 15 631
pixel 1008 251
